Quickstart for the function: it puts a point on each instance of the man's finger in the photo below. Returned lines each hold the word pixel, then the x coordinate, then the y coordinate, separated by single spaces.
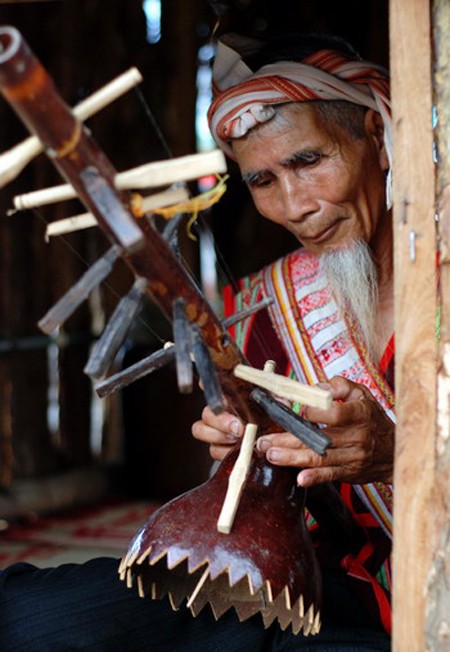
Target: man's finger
pixel 340 414
pixel 203 432
pixel 219 452
pixel 311 477
pixel 352 457
pixel 225 422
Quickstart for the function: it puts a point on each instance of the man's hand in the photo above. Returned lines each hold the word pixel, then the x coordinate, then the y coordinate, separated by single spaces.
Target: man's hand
pixel 362 435
pixel 221 432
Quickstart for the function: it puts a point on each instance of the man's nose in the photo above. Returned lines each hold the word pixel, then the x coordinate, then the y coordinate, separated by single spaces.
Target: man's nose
pixel 298 202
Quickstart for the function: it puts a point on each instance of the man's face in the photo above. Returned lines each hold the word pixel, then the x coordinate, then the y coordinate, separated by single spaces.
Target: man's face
pixel 316 179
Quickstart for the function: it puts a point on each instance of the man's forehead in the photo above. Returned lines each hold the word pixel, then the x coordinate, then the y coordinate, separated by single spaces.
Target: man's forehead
pixel 281 142
pixel 290 159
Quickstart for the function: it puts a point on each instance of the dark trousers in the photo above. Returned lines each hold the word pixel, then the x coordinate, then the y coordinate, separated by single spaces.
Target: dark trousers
pixel 86 607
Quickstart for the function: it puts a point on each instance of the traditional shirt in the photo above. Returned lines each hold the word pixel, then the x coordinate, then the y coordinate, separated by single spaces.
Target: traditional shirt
pixel 311 340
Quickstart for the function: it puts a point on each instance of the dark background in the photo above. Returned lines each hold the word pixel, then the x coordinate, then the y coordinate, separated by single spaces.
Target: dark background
pixel 146 448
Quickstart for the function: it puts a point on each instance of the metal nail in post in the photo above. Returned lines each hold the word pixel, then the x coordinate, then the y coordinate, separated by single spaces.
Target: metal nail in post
pixel 412 246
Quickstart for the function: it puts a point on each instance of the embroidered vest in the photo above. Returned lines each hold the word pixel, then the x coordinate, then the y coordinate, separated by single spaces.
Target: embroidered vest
pixel 314 343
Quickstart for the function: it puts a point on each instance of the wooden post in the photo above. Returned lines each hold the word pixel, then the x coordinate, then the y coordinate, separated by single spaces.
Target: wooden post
pixel 437 625
pixel 415 314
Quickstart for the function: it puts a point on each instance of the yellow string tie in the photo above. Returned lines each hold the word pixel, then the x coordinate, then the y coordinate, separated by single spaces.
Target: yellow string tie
pixel 195 204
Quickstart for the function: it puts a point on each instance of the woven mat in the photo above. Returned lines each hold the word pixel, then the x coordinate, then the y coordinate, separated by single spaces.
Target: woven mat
pixel 75 536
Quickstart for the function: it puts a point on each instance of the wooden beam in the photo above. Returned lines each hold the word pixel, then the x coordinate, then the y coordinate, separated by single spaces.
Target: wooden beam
pixel 415 314
pixel 437 626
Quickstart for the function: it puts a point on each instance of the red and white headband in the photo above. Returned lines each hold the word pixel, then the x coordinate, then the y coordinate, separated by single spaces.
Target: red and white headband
pixel 243 98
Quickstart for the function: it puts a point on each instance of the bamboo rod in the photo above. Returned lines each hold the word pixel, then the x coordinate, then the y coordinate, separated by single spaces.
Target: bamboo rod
pixel 150 175
pixel 79 292
pixel 17 158
pixel 136 371
pixel 240 471
pixel 87 220
pixel 182 336
pixel 236 480
pixel 247 312
pixel 285 387
pixel 105 349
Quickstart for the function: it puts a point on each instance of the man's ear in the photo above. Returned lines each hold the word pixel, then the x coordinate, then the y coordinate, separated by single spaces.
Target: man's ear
pixel 374 126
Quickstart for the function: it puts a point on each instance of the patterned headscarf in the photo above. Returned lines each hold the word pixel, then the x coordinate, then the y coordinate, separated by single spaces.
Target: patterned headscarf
pixel 244 99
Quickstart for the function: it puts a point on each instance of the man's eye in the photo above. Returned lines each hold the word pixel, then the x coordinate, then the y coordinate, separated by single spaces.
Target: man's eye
pixel 308 158
pixel 260 182
pixel 263 183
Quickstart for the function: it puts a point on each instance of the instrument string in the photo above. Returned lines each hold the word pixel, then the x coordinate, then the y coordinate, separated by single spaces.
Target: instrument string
pixel 150 117
pixel 224 272
pixel 105 283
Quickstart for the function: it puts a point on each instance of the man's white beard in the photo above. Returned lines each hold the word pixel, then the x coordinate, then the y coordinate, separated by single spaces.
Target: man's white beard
pixel 352 276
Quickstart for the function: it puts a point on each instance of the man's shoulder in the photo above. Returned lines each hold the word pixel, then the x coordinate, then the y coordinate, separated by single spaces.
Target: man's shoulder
pixel 249 288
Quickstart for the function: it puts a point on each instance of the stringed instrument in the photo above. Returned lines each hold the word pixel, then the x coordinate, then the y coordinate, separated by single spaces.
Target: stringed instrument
pixel 264 562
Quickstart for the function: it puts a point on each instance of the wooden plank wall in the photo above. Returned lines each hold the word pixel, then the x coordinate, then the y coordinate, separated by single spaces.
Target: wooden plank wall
pixel 415 314
pixel 437 623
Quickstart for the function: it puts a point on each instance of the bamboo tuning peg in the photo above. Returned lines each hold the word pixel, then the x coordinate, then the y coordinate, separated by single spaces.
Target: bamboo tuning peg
pixel 15 160
pixel 70 301
pixel 182 336
pixel 107 346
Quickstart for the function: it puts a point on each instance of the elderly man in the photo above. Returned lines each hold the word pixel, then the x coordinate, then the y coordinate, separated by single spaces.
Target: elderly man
pixel 312 143
pixel 308 124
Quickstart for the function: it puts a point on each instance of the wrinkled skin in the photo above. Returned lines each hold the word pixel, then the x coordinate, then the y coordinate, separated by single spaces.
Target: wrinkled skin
pixel 327 188
pixel 362 437
pixel 318 181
